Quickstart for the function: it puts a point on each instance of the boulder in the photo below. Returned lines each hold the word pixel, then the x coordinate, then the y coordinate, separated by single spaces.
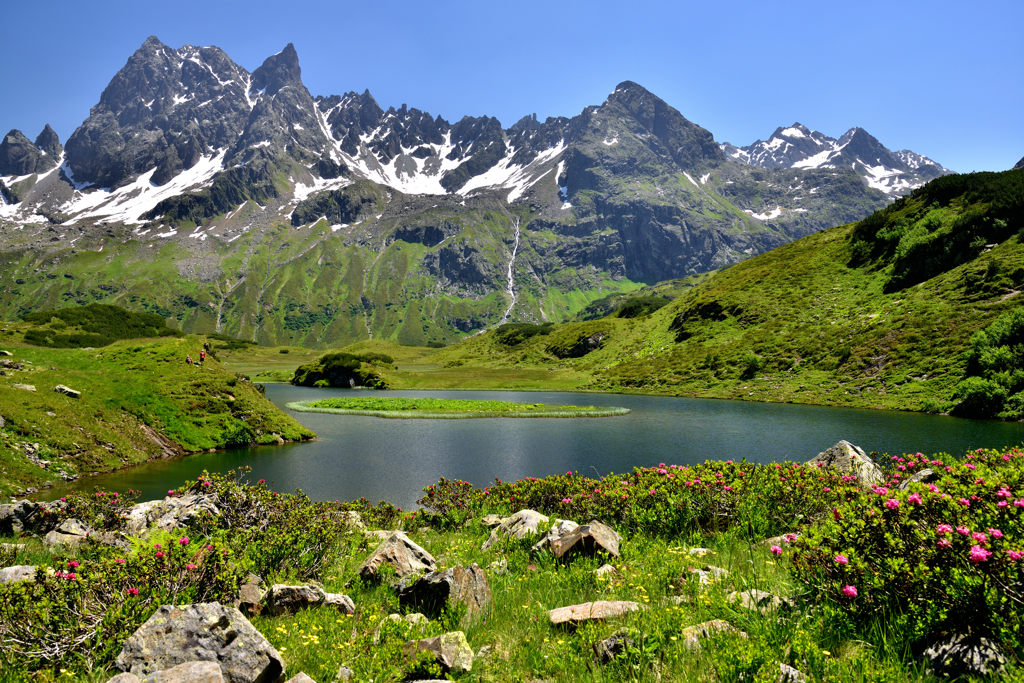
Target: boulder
pixel 560 529
pixel 399 551
pixel 171 513
pixel 67 391
pixel 19 572
pixel 451 651
pixel 789 674
pixel 301 677
pixel 591 611
pixel 491 521
pixel 589 539
pixel 250 595
pixel 189 672
pixel 849 460
pixel 71 532
pixel 520 525
pixel 286 599
pixel 963 654
pixel 466 586
pixel 925 476
pixel 24 387
pixel 759 600
pixel 20 516
pixel 345 674
pixel 205 632
pixel 606 572
pixel 693 635
pixel 342 603
pixel 614 645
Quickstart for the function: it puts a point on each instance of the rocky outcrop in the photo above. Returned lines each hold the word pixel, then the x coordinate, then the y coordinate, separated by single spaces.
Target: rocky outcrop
pixel 201 632
pixel 561 528
pixel 965 655
pixel 285 599
pixel 465 586
pixel 70 532
pixel 401 553
pixel 849 460
pixel 18 572
pixel 189 672
pixel 19 156
pixel 171 513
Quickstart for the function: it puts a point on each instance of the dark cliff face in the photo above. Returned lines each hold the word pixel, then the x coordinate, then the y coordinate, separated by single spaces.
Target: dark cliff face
pixel 1020 164
pixel 19 156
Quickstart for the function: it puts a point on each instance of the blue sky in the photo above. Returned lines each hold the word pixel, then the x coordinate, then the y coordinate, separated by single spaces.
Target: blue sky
pixel 945 79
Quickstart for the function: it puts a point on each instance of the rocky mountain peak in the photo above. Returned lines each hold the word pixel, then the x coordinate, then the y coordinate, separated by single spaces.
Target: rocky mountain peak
pixel 1020 164
pixel 49 142
pixel 18 156
pixel 278 71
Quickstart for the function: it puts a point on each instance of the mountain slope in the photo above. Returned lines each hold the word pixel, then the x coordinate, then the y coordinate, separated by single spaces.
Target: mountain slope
pixel 237 202
pixel 830 318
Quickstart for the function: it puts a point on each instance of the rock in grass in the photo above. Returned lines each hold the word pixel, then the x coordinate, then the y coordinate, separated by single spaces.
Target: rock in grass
pixel 925 476
pixel 451 651
pixel 693 635
pixel 67 391
pixel 19 572
pixel 189 672
pixel 399 551
pixel 170 513
pixel 520 525
pixel 788 674
pixel 708 574
pixel 614 645
pixel 431 593
pixel 964 654
pixel 849 460
pixel 175 635
pixel 759 600
pixel 301 677
pixel 25 387
pixel 560 529
pixel 250 595
pixel 341 602
pixel 491 521
pixel 606 572
pixel 71 532
pixel 591 611
pixel 285 599
pixel 589 539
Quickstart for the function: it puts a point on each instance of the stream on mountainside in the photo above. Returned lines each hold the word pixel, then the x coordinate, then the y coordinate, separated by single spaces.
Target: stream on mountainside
pixel 393 460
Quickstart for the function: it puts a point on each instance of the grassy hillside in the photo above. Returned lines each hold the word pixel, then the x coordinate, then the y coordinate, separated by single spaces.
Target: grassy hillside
pixel 139 400
pixel 876 314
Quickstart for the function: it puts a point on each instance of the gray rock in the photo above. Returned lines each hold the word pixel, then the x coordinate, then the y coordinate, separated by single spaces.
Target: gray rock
pixel 431 593
pixel 188 672
pixel 25 387
pixel 520 525
pixel 67 391
pixel 285 599
pixel 925 476
pixel 353 520
pixel 124 678
pixel 788 674
pixel 250 595
pixel 399 551
pixel 12 547
pixel 19 572
pixel 964 654
pixel 693 635
pixel 589 539
pixel 451 651
pixel 849 460
pixel 491 521
pixel 302 677
pixel 591 611
pixel 560 529
pixel 70 532
pixel 171 513
pixel 606 572
pixel 343 603
pixel 345 674
pixel 204 632
pixel 759 600
pixel 19 516
pixel 411 619
pixel 5 352
pixel 614 645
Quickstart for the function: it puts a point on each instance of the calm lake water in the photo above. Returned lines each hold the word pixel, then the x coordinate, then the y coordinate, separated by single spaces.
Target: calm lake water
pixel 393 460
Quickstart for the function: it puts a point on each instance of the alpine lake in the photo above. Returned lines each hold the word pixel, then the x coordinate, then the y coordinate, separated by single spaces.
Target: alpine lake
pixel 384 459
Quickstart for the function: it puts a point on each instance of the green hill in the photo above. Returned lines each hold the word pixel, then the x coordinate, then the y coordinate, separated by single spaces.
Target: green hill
pixel 138 400
pixel 878 313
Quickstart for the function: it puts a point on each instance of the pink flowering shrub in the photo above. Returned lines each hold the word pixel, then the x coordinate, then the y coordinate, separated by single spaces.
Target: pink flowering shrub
pixel 934 564
pixel 756 500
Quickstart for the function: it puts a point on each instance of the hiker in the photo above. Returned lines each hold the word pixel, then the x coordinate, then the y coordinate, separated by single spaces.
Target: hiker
pixel 202 356
pixel 188 359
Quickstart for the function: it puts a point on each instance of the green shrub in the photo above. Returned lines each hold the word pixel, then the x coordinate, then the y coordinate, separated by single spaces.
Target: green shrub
pixel 513 334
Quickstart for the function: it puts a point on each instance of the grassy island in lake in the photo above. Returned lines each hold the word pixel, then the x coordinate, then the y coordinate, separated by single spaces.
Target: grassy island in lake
pixel 446 408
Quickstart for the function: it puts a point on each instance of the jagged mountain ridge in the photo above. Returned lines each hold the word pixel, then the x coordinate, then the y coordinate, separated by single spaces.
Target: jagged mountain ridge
pixel 189 155
pixel 796 146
